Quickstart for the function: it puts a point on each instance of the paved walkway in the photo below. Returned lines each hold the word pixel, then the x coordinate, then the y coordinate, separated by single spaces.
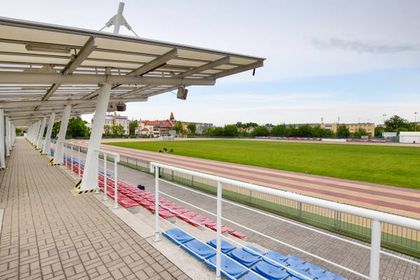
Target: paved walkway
pixel 394 200
pixel 340 252
pixel 49 233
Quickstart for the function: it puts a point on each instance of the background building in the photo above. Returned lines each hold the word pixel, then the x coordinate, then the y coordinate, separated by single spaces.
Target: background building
pixel 352 127
pixel 111 120
pixel 410 137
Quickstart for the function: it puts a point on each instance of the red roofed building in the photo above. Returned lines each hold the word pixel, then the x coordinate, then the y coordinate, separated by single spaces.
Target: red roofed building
pixel 156 128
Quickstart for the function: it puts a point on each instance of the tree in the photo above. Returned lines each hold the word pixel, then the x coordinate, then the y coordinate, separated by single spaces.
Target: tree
pixel 378 131
pixel 230 130
pixel 107 130
pixel 342 131
pixel 395 124
pixel 178 127
pixel 19 132
pixel 192 128
pixel 260 131
pixel 360 132
pixel 132 125
pixel 280 131
pixel 76 128
pixel 117 130
pixel 218 131
pixel 304 131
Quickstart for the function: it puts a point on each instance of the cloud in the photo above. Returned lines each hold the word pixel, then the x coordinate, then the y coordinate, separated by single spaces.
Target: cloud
pixel 363 47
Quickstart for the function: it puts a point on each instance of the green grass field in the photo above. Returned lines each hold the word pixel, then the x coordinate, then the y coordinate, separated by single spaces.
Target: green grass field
pixel 390 165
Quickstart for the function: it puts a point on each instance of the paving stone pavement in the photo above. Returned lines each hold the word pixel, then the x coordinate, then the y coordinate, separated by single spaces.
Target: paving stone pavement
pixel 332 249
pixel 49 233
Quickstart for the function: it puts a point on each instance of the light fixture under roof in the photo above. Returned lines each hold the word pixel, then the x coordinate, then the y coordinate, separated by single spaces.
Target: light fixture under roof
pixel 40 47
pixel 182 93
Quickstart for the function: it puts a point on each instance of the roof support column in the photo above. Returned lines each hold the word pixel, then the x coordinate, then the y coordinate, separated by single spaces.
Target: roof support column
pixel 41 133
pixel 2 141
pixel 35 129
pixel 59 146
pixel 8 147
pixel 90 176
pixel 47 142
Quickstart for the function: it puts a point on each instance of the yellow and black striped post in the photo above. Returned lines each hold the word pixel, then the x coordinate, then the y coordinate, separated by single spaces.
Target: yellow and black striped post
pixel 78 184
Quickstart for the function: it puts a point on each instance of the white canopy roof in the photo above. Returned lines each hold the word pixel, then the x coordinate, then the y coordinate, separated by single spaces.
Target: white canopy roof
pixel 44 67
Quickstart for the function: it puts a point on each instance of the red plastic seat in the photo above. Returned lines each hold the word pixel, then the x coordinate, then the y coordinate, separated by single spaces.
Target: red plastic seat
pixel 238 234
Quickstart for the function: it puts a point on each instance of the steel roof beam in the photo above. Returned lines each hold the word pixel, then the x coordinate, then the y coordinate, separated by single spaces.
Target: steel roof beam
pixel 239 69
pixel 155 63
pixel 20 104
pixel 84 52
pixel 48 78
pixel 210 65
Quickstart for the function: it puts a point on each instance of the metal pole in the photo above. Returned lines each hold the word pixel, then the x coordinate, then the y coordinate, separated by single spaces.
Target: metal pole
pixel 79 162
pixel 71 157
pixel 219 231
pixel 375 250
pixel 157 233
pixel 118 20
pixel 105 179
pixel 115 184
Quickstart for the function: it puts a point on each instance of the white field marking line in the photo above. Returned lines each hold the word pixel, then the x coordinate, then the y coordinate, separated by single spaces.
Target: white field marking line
pixel 273 239
pixel 248 269
pixel 236 242
pixel 295 223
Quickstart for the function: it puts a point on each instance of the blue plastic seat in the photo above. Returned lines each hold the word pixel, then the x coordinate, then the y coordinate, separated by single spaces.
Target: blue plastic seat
pixel 315 270
pixel 198 249
pixel 252 276
pixel 298 271
pixel 177 236
pixel 254 251
pixel 331 276
pixel 230 268
pixel 226 246
pixel 293 260
pixel 275 258
pixel 270 271
pixel 244 257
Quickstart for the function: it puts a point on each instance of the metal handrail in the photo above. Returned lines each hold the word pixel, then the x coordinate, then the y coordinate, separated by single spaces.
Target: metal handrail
pixel 375 216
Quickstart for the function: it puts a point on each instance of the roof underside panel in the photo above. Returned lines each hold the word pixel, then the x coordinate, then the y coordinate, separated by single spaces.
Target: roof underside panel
pixel 44 67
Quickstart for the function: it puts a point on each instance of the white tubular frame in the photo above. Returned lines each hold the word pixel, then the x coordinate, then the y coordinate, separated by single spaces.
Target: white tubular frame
pixel 106 154
pixel 116 158
pixel 375 216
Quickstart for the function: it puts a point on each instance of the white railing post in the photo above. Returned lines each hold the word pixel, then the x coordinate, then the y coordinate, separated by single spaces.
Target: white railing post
pixel 157 233
pixel 71 157
pixel 79 160
pixel 219 231
pixel 375 250
pixel 64 154
pixel 115 183
pixel 105 179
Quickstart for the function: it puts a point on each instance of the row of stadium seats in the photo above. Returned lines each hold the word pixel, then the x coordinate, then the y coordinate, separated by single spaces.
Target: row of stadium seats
pixel 129 196
pixel 249 263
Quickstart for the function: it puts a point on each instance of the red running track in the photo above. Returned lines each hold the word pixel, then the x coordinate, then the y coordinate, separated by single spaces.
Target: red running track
pixel 379 197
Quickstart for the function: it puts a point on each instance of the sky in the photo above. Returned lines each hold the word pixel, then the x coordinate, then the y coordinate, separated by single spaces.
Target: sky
pixel 352 61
